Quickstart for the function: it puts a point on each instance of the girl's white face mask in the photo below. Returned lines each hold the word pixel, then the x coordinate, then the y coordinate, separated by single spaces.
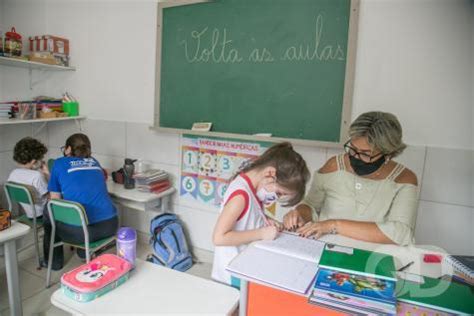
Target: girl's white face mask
pixel 266 197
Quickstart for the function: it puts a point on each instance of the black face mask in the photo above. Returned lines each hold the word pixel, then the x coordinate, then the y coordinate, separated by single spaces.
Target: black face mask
pixel 362 168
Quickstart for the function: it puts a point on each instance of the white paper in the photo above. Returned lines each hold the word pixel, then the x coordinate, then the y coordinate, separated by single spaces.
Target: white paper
pixel 341 249
pixel 295 246
pixel 273 268
pixel 411 277
pixel 289 262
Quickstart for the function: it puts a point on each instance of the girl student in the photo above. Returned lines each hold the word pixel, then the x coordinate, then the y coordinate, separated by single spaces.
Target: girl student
pixel 279 174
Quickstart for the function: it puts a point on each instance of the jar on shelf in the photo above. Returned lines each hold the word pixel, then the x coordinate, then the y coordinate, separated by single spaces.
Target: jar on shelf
pixel 13 44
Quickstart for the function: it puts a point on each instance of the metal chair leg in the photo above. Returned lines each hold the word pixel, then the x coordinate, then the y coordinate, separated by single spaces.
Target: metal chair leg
pixel 38 258
pixel 50 256
pixel 88 254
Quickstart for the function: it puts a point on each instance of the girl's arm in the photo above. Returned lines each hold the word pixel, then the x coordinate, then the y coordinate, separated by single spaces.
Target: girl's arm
pixel 224 235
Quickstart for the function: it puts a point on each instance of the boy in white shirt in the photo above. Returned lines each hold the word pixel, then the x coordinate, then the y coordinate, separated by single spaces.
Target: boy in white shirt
pixel 31 171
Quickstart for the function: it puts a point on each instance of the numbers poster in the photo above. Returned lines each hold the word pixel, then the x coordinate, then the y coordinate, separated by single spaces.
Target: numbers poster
pixel 208 163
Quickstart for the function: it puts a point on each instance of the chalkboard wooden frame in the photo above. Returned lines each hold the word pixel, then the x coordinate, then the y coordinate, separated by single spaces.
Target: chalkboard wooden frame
pixel 348 86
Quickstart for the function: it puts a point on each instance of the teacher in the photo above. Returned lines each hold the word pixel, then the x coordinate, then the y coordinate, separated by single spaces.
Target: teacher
pixel 362 193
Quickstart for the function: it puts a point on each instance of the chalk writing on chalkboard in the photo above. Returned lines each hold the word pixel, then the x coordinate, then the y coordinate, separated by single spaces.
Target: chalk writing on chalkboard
pixel 216 46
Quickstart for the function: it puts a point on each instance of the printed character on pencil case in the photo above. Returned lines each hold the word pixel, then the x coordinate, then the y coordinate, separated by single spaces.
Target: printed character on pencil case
pixel 93 273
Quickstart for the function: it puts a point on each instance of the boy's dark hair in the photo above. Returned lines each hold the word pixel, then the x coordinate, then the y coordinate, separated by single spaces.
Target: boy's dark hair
pixel 28 149
pixel 80 145
pixel 291 170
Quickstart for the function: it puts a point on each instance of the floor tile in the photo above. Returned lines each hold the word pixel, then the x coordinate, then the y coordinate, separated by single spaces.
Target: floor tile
pixel 30 285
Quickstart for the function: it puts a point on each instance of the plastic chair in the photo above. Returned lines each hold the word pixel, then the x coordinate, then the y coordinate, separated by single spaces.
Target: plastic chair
pixel 20 193
pixel 50 164
pixel 71 213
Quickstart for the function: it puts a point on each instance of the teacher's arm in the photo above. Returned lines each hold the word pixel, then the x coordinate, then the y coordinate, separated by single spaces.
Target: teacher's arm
pixel 397 227
pixel 366 231
pixel 308 209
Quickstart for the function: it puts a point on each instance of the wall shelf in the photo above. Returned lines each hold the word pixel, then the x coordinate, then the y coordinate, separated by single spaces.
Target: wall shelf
pixel 76 119
pixel 14 62
pixel 4 121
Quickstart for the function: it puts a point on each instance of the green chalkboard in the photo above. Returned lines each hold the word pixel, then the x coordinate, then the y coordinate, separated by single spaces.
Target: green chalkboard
pixel 257 66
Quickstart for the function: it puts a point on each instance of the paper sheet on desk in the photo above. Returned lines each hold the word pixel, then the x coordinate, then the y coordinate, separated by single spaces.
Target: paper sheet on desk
pixel 289 262
pixel 291 244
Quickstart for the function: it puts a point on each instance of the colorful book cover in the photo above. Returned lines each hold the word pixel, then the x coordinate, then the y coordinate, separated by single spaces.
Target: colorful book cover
pixel 355 302
pixel 343 308
pixel 351 309
pixel 364 287
pixel 406 309
pixel 439 294
pixel 369 263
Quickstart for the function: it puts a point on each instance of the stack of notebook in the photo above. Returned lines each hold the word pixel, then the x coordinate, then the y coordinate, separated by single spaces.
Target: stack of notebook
pixel 360 282
pixel 434 297
pixel 153 180
pixel 463 268
pixel 6 110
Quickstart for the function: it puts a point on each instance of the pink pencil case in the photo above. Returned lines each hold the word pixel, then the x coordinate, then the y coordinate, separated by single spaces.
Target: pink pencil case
pixel 95 278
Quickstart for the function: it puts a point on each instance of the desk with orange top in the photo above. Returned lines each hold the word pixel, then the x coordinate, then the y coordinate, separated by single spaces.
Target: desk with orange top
pixel 257 298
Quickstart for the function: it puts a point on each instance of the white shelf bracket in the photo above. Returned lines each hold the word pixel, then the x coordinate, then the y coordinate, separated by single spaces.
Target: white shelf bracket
pixel 35 133
pixel 40 75
pixel 30 76
pixel 79 124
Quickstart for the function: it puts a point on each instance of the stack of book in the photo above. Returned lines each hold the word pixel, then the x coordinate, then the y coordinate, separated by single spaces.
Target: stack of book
pixel 153 180
pixel 463 268
pixel 434 297
pixel 6 110
pixel 343 284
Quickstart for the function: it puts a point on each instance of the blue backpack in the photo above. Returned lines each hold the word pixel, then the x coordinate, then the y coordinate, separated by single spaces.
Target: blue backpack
pixel 169 243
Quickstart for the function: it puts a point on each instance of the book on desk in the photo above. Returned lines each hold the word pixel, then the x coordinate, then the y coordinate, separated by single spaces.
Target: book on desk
pixel 363 282
pixel 289 262
pixel 359 282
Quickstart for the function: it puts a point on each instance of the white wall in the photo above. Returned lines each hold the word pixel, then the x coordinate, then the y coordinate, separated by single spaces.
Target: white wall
pixel 3 29
pixel 413 60
pixel 472 74
pixel 421 70
pixel 113 48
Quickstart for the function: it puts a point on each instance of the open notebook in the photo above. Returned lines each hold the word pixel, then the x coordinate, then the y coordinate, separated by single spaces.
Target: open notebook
pixel 289 262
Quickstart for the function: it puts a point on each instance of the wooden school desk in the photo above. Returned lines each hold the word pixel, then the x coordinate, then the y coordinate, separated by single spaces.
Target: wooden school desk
pixel 263 299
pixel 8 238
pixel 152 289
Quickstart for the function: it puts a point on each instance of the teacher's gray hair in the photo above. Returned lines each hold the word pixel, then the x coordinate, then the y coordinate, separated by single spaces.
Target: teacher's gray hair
pixel 383 132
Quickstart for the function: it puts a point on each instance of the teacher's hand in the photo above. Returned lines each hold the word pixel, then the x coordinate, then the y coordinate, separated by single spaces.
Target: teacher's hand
pixel 292 220
pixel 317 229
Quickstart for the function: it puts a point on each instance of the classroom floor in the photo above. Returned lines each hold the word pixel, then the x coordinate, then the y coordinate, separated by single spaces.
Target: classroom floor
pixel 36 298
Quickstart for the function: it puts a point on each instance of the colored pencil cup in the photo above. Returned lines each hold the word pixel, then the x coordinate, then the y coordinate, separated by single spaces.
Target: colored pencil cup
pixel 71 108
